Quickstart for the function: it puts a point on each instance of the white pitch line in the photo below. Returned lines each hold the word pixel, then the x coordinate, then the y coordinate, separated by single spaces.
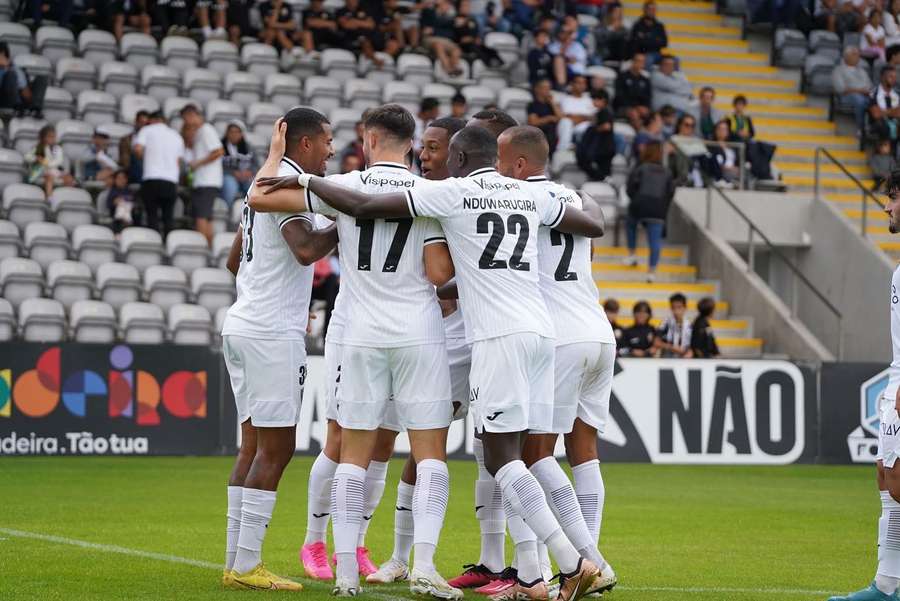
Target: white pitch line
pixel 698 589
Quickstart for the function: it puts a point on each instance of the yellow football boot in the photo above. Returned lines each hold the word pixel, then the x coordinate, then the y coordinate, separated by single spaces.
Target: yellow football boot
pixel 262 579
pixel 228 580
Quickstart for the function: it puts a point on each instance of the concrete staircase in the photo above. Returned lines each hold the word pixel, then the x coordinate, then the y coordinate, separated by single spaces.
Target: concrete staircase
pixel 674 274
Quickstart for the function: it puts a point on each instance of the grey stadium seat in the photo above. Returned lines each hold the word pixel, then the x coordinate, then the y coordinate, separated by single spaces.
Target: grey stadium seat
pixel 179 52
pixel 381 75
pixel 20 279
pixel 94 245
pixel 118 284
pixel 219 215
pixel 817 74
pixel 259 143
pixel 12 167
pixel 443 76
pixel 242 87
pixel 74 137
pixel 237 212
pixel 97 46
pixel 165 285
pixel 343 122
pixel 262 115
pixel 514 101
pixel 402 92
pixel 283 90
pixel 24 203
pixel 826 44
pixel 190 324
pixel 35 64
pixel 221 246
pixel 115 131
pixel 337 64
pixel 96 107
pixel 72 207
pixel 92 321
pixel 130 104
pixel 221 112
pixel 213 288
pixel 142 323
pixel 172 106
pixel 18 37
pixel 202 84
pixel 46 242
pixel 69 281
pixel 441 91
pixel 22 132
pixel 10 243
pixel 59 104
pixel 76 74
pixel 360 94
pixel 7 321
pixel 141 247
pixel 160 81
pixel 119 78
pixel 478 96
pixel 219 55
pixel 790 48
pixel 323 93
pixel 54 42
pixel 260 59
pixel 187 249
pixel 415 68
pixel 505 44
pixel 138 49
pixel 42 320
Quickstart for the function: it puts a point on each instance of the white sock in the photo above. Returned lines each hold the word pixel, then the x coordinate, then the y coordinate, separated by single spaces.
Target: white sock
pixel 882 522
pixel 528 563
pixel 232 524
pixel 544 559
pixel 318 498
pixel 490 514
pixel 526 499
pixel 429 507
pixel 561 497
pixel 404 525
pixel 375 477
pixel 888 574
pixel 256 512
pixel 591 493
pixel 886 584
pixel 347 502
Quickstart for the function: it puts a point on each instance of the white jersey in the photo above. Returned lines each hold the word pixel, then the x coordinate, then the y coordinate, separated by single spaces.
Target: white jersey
pixel 567 280
pixel 273 288
pixel 894 380
pixel 491 223
pixel 389 301
pixel 454 325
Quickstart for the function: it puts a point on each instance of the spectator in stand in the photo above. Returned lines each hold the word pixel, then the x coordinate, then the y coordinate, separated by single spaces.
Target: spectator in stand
pixel 438 33
pixel 891 20
pixel 355 147
pixel 540 60
pixel 46 163
pixel 544 113
pixel 670 86
pixel 120 201
pixel 161 149
pixel 238 163
pixel 669 117
pixel 361 32
pixel 741 124
pixel 205 165
pixel 320 29
pixel 569 57
pixel 611 308
pixel 634 94
pixel 131 13
pixel 211 18
pixel 577 112
pixel 690 171
pixel 279 28
pixel 837 16
pixel 17 92
pixel 237 16
pixel 390 25
pixel 651 190
pixel 884 106
pixel 350 162
pixel 458 106
pixel 674 336
pixel 520 14
pixel 727 157
pixel 467 35
pixel 872 41
pixel 98 165
pixel 651 132
pixel 640 339
pixel 127 159
pixel 172 16
pixel 707 114
pixel 648 35
pixel 703 340
pixel 597 147
pixel 882 163
pixel 612 35
pixel 589 7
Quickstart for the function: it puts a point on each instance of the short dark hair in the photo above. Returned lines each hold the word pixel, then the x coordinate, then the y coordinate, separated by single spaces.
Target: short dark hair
pixel 893 183
pixel 458 98
pixel 497 121
pixel 477 142
pixel 393 119
pixel 450 124
pixel 303 121
pixel 157 115
pixel 530 141
pixel 141 113
pixel 706 306
pixel 189 108
pixel 884 70
pixel 428 104
pixel 642 307
pixel 707 89
pixel 611 304
pixel 4 49
pixel 667 110
pixel 665 57
pixel 600 94
pixel 739 98
pixel 678 298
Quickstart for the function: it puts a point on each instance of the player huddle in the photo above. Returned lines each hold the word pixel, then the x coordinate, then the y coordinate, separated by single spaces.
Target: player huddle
pixel 468 289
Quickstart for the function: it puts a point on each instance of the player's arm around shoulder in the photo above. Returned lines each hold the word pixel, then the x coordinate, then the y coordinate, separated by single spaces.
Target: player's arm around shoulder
pixel 436 254
pixel 307 243
pixel 587 221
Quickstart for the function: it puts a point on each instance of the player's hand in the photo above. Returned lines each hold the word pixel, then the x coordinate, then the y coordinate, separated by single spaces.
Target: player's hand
pixel 271 184
pixel 312 316
pixel 276 146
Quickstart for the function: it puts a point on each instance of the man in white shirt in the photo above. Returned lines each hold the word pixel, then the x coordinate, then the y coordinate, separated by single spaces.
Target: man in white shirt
pixel 206 152
pixel 161 149
pixel 884 105
pixel 578 112
pixel 570 57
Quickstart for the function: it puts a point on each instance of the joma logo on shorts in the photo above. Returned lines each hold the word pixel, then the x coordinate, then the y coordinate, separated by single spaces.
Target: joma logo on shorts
pixel 890 429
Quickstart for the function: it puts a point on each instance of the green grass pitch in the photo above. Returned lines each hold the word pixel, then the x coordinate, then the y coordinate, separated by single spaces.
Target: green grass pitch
pixel 673 533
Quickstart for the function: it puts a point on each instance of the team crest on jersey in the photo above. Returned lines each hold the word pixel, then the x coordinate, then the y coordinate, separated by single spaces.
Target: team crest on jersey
pixel 862 442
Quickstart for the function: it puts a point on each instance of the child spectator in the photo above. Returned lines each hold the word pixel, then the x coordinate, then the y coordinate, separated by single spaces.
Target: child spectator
pixel 640 339
pixel 871 44
pixel 459 107
pixel 611 307
pixel 726 156
pixel 47 165
pixel 238 163
pixel 99 166
pixel 882 162
pixel 570 57
pixel 120 201
pixel 741 124
pixel 674 338
pixel 703 341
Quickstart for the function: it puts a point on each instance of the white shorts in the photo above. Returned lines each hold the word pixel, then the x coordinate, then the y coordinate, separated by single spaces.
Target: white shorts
pixel 460 355
pixel 511 382
pixel 332 378
pixel 583 373
pixel 414 381
pixel 267 377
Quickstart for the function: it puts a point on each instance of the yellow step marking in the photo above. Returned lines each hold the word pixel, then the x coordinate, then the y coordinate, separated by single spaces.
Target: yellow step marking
pixel 889 246
pixel 755 95
pixel 872 214
pixel 719 80
pixel 622 251
pixel 842 154
pixel 729 54
pixel 717 324
pixel 833 182
pixel 763 124
pixel 699 288
pixel 705 29
pixel 661 268
pixel 776 109
pixel 830 169
pixel 717 43
pixel 855 198
pixel 691 66
pixel 666 15
pixel 740 342
pixel 824 140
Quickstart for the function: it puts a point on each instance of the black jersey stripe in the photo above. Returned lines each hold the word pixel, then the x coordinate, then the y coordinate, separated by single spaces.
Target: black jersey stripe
pixel 292 164
pixel 290 218
pixel 411 203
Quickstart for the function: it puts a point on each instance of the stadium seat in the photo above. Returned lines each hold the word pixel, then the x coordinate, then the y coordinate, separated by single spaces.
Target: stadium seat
pixel 12 167
pixel 54 42
pixel 441 91
pixel 22 133
pixel 59 104
pixel 404 93
pixel 46 242
pixel 94 245
pixel 118 79
pixel 478 96
pixel 259 59
pixel 7 321
pixel 343 123
pixel 360 94
pixel 42 320
pixel 283 90
pixel 514 101
pixel 118 283
pixel 96 107
pixel 243 88
pixel 97 46
pixel 444 77
pixel 202 85
pixel 142 323
pixel 213 288
pixel 130 104
pixel 219 55
pixel 24 203
pixel 138 49
pixel 826 44
pixel 76 74
pixel 18 37
pixel 165 285
pixel 302 66
pixel 93 322
pixel 817 74
pixel 261 116
pixel 258 142
pixel 789 48
pixel 222 112
pixel 187 249
pixel 20 279
pixel 237 210
pixel 505 44
pixel 172 106
pixel 35 64
pixel 179 52
pixel 385 73
pixel 190 325
pixel 69 281
pixel 160 81
pixel 219 215
pixel 221 246
pixel 415 68
pixel 74 137
pixel 10 243
pixel 141 247
pixel 337 64
pixel 72 207
pixel 495 79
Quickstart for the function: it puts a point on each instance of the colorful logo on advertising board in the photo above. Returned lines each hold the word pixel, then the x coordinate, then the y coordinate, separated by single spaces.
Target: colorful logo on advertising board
pixel 863 441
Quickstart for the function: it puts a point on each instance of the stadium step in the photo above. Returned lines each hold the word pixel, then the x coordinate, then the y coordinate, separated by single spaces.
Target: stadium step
pixel 674 255
pixel 757 97
pixel 849 198
pixel 827 182
pixel 747 84
pixel 638 273
pixel 674 15
pixel 702 8
pixel 740 348
pixel 733 55
pixel 813 140
pixel 873 215
pixel 765 125
pixel 808 154
pixel 695 65
pixel 658 290
pixel 861 171
pixel 661 306
pixel 728 328
pixel 800 113
pixel 711 32
pixel 711 45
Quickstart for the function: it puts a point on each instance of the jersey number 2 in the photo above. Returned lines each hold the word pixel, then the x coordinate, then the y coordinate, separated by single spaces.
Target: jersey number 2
pixel 515 223
pixel 567 241
pixel 367 235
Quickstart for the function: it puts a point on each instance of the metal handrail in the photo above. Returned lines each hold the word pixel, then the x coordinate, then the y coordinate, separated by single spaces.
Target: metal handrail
pixel 866 193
